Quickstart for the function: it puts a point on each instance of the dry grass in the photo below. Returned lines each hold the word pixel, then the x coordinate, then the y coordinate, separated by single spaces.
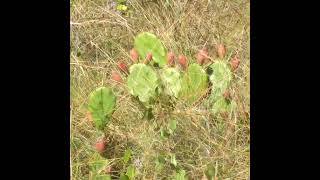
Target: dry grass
pixel 100 37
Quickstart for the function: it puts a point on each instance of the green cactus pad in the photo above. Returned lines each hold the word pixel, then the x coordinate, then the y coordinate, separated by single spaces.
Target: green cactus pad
pixel 221 77
pixel 101 106
pixel 146 42
pixel 222 105
pixel 102 177
pixel 194 83
pixel 97 165
pixel 171 79
pixel 143 82
pixel 181 175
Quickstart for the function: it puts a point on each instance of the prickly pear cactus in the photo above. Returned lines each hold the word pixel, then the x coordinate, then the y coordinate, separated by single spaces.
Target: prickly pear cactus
pixel 220 78
pixel 146 43
pixel 101 106
pixel 143 83
pixel 194 83
pixel 171 81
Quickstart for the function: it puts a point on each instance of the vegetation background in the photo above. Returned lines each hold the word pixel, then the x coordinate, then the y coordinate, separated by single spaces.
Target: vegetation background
pixel 101 36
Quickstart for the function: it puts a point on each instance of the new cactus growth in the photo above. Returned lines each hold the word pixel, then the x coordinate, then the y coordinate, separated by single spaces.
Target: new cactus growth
pixel 101 106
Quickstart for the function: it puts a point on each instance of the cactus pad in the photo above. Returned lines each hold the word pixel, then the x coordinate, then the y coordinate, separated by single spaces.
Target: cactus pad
pixel 171 79
pixel 101 106
pixel 221 77
pixel 147 42
pixel 143 82
pixel 194 83
pixel 222 105
pixel 97 166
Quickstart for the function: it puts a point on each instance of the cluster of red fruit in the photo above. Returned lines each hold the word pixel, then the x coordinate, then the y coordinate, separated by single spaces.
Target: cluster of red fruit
pixel 202 57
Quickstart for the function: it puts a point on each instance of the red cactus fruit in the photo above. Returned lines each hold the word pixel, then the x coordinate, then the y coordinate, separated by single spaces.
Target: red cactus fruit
pixel 148 58
pixel 123 67
pixel 116 77
pixel 170 58
pixel 234 63
pixel 100 145
pixel 133 55
pixel 221 50
pixel 226 94
pixel 182 60
pixel 108 169
pixel 202 55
